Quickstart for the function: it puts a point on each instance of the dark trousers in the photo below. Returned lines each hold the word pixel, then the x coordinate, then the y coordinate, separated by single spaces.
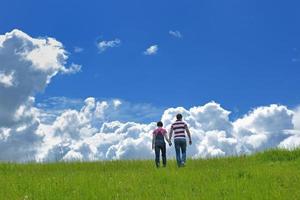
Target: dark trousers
pixel 180 145
pixel 160 148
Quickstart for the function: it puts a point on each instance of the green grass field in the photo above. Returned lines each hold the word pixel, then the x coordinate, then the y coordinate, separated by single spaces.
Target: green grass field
pixel 273 174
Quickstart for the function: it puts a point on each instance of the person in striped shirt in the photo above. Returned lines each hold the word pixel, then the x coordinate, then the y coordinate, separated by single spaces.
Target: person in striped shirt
pixel 159 144
pixel 179 128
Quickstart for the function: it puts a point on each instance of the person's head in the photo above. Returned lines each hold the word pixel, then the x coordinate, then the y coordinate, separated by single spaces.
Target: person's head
pixel 179 116
pixel 160 124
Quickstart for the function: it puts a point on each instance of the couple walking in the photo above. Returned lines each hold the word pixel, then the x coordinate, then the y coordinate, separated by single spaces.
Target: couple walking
pixel 180 129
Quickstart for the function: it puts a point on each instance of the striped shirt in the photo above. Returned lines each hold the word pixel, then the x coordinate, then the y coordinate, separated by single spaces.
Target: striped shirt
pixel 179 129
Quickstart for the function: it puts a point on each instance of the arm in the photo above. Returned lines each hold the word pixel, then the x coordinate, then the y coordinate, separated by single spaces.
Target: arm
pixel 166 137
pixel 170 134
pixel 188 133
pixel 153 141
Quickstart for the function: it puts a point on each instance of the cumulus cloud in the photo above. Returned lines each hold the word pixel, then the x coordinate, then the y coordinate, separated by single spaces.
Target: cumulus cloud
pixel 91 129
pixel 176 34
pixel 27 66
pixel 104 45
pixel 152 50
pixel 86 134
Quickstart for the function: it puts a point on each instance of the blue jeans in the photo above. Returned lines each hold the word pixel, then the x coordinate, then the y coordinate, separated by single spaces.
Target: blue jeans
pixel 180 145
pixel 160 147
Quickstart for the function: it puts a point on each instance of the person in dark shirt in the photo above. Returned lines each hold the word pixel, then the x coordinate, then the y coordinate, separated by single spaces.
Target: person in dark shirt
pixel 159 144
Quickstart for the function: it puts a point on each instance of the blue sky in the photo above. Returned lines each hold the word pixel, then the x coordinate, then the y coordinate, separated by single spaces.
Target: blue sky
pixel 241 54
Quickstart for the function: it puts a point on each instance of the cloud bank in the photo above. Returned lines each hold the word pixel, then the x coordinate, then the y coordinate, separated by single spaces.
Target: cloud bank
pixel 91 129
pixel 88 134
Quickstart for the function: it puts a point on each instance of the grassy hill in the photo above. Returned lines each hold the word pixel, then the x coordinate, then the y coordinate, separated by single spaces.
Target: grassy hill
pixel 273 174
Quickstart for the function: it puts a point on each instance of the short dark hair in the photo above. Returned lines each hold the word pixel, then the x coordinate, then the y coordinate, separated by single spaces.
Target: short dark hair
pixel 179 116
pixel 160 124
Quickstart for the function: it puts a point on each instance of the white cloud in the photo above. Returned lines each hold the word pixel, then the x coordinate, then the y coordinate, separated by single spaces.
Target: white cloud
pixel 104 45
pixel 73 69
pixel 291 143
pixel 7 80
pixel 117 102
pixel 152 50
pixel 27 66
pixel 212 131
pixel 266 119
pixel 214 134
pixel 66 129
pixel 296 119
pixel 176 34
pixel 87 133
